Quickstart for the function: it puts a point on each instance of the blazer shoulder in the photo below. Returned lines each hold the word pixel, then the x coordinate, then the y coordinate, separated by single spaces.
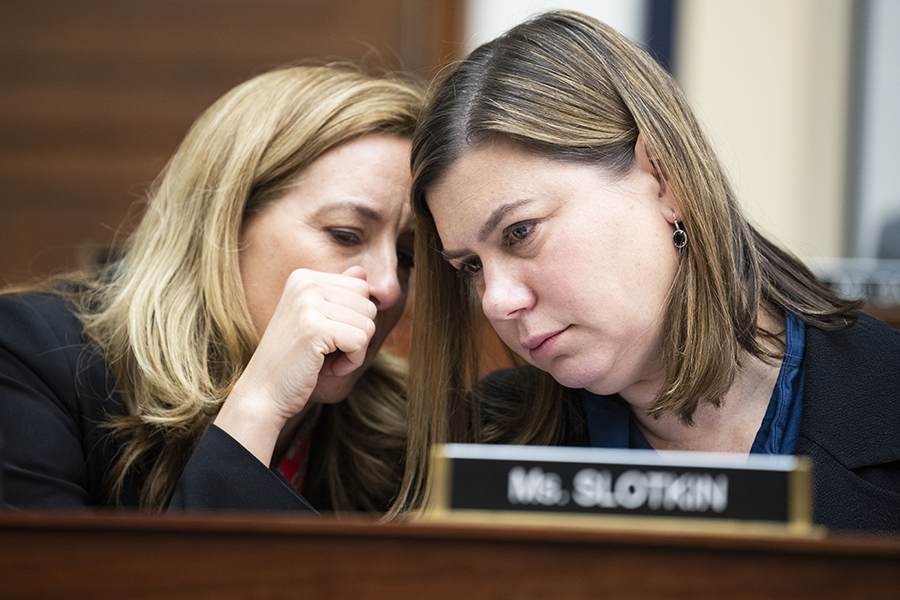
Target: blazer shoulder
pixel 851 400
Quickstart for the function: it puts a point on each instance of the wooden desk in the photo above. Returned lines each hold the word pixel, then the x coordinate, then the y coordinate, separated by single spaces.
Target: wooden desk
pixel 131 556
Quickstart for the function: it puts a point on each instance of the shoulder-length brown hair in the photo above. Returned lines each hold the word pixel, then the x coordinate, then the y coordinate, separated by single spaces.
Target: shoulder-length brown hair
pixel 567 87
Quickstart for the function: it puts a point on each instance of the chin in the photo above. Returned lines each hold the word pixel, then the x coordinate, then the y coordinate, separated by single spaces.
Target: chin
pixel 570 381
pixel 331 390
pixel 576 376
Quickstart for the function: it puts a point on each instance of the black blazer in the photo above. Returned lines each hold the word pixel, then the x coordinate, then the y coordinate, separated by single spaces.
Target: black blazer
pixel 850 425
pixel 56 395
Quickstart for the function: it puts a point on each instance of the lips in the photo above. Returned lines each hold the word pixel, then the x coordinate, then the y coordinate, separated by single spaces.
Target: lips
pixel 536 341
pixel 541 345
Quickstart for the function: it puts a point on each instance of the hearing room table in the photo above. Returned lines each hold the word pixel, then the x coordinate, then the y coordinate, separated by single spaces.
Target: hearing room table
pixel 125 555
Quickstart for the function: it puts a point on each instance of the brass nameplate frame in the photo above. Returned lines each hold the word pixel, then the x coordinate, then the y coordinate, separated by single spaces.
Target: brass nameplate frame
pixel 633 489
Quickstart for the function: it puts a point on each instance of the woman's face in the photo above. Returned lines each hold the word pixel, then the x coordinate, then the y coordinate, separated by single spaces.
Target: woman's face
pixel 348 208
pixel 572 265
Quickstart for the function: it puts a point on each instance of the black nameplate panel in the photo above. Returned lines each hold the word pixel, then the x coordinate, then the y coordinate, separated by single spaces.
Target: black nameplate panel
pixel 690 490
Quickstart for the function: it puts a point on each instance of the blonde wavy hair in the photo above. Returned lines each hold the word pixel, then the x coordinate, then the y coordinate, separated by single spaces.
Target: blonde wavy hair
pixel 567 87
pixel 170 315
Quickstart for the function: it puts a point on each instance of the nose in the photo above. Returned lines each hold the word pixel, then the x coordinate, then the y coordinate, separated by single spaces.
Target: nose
pixel 385 287
pixel 505 294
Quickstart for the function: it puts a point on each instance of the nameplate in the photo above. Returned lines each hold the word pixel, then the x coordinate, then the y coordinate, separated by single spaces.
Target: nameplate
pixel 622 488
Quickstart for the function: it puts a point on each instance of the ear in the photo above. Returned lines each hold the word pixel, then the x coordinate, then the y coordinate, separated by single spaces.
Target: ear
pixel 644 162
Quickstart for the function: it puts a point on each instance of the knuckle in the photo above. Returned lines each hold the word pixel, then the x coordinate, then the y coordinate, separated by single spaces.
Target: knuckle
pixel 370 329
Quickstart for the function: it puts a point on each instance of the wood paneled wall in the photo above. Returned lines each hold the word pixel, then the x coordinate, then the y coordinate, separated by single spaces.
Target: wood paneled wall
pixel 95 95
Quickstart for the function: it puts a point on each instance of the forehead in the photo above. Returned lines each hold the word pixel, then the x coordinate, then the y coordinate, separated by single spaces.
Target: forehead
pixel 483 172
pixel 368 176
pixel 501 172
pixel 370 159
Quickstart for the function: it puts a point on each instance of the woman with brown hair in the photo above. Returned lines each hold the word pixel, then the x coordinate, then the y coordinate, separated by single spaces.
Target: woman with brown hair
pixel 563 187
pixel 240 328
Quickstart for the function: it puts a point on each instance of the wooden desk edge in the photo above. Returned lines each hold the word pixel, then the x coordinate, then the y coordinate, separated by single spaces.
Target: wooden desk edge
pixel 847 544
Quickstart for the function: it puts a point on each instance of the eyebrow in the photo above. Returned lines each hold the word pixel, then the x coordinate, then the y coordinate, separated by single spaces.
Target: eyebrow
pixel 491 224
pixel 488 228
pixel 365 211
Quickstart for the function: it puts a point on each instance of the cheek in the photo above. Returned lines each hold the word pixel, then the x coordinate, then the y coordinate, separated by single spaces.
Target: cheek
pixel 258 289
pixel 508 332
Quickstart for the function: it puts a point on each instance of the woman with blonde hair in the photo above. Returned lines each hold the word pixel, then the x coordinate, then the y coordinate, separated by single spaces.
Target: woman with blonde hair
pixel 229 357
pixel 563 187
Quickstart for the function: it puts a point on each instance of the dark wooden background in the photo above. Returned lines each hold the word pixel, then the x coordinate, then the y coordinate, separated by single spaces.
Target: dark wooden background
pixel 95 95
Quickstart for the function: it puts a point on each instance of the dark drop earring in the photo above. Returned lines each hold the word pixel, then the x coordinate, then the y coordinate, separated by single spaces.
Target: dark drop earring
pixel 679 238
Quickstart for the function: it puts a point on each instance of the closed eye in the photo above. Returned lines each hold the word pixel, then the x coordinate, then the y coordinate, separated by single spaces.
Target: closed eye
pixel 344 237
